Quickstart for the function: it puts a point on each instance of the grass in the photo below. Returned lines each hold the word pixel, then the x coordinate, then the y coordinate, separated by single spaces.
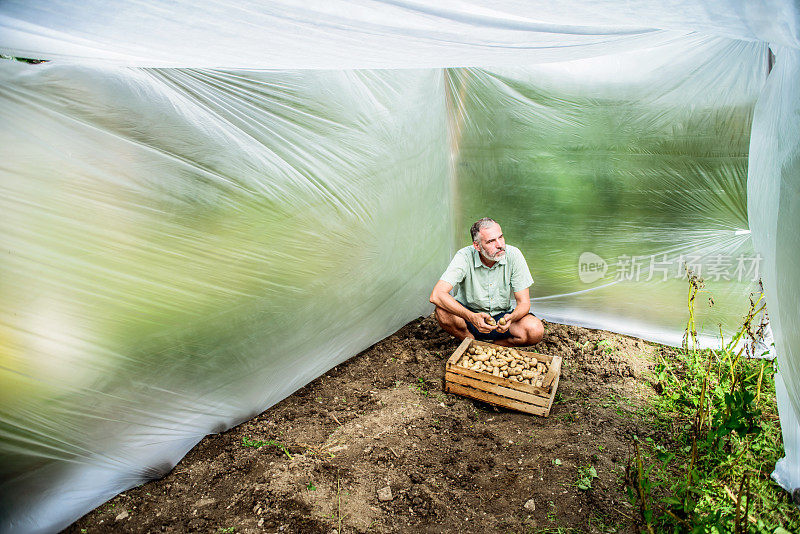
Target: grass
pixel 247 441
pixel 711 471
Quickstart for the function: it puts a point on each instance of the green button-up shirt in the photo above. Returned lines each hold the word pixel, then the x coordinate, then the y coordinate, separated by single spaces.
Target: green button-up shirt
pixel 484 289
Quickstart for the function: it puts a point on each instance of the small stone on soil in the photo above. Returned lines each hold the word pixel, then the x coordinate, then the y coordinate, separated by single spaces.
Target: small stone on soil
pixel 530 505
pixel 123 515
pixel 385 494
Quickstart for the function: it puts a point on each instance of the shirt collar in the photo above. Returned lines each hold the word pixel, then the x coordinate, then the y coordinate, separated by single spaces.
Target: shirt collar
pixel 476 259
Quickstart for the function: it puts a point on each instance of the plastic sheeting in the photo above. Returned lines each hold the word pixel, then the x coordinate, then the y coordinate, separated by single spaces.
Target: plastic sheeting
pixel 774 210
pixel 172 237
pixel 346 34
pixel 637 167
pixel 182 249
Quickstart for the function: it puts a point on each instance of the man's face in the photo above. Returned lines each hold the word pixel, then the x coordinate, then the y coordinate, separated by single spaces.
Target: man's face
pixel 491 243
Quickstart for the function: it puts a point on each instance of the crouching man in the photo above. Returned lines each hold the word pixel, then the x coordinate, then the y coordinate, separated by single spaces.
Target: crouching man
pixel 485 276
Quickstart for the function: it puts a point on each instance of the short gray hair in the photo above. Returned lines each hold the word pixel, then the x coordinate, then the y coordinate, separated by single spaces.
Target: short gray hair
pixel 479 225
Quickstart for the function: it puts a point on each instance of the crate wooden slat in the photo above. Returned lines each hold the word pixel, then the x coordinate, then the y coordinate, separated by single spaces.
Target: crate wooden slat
pixel 502 391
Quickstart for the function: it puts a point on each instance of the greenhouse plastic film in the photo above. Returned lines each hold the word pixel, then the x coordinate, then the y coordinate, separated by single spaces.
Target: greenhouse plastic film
pixel 787 470
pixel 615 177
pixel 182 249
pixel 774 208
pixel 144 282
pixel 373 34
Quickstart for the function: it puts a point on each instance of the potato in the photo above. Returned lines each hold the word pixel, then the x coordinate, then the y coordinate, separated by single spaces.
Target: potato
pixel 502 321
pixel 491 321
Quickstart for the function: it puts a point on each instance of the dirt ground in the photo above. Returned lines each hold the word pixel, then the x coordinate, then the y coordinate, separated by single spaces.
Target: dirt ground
pixel 375 445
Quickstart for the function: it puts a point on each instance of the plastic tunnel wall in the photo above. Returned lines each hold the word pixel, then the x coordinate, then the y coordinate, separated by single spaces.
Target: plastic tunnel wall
pixel 182 247
pixel 156 289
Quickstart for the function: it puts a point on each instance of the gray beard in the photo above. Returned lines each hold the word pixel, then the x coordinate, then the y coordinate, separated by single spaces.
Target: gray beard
pixel 486 256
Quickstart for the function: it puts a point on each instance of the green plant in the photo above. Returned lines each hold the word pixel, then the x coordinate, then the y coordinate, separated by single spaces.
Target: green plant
pixel 311 487
pixel 247 441
pixel 585 477
pixel 605 345
pixel 724 438
pixel 420 387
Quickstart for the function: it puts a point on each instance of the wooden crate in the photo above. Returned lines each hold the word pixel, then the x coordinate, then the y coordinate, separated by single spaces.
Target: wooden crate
pixel 502 391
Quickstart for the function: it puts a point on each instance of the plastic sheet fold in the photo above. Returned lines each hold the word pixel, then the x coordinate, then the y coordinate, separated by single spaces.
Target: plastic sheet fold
pixel 774 212
pixel 614 178
pixel 182 247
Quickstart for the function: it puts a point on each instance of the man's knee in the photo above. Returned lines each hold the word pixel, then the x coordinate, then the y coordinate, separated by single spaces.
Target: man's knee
pixel 442 317
pixel 446 319
pixel 534 330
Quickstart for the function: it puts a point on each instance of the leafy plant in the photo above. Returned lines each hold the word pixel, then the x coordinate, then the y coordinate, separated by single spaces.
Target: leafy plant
pixel 585 477
pixel 724 438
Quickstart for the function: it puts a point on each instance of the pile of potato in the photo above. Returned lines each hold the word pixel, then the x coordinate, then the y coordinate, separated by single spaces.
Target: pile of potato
pixel 505 362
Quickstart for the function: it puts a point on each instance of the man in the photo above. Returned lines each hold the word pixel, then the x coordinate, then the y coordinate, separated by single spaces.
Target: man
pixel 485 276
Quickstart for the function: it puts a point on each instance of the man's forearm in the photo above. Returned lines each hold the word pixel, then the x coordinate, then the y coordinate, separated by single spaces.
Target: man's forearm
pixel 522 309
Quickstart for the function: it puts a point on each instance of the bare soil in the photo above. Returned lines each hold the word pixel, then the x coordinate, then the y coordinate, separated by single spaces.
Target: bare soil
pixel 375 445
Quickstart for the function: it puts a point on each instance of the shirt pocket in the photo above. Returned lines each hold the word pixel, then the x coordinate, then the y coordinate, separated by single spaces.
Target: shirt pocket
pixel 480 295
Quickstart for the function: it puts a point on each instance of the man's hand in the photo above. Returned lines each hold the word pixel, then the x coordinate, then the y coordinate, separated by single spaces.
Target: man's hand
pixel 478 320
pixel 503 328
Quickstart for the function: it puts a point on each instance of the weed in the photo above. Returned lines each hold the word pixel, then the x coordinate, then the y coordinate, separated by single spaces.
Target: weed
pixel 227 529
pixel 719 407
pixel 311 487
pixel 421 387
pixel 338 512
pixel 585 477
pixel 568 417
pixel 557 461
pixel 247 441
pixel 605 345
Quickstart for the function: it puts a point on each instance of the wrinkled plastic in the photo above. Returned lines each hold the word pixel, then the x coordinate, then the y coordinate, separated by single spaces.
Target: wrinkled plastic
pixel 182 248
pixel 774 210
pixel 349 34
pixel 636 167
